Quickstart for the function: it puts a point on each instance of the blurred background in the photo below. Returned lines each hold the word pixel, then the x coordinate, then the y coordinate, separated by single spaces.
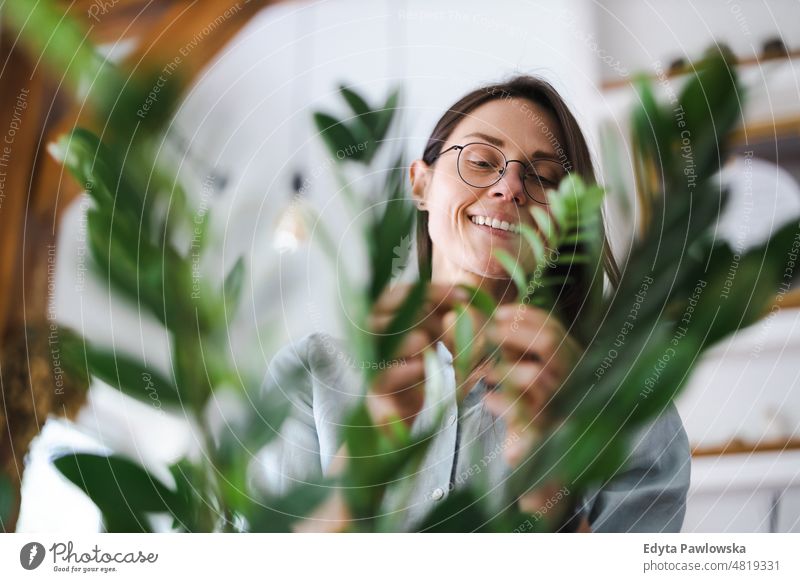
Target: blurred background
pixel 246 146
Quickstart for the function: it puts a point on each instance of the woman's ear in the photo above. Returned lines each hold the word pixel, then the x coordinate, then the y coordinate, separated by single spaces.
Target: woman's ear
pixel 419 174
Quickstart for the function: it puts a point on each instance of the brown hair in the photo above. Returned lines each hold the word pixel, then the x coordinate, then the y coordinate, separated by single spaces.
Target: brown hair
pixel 575 156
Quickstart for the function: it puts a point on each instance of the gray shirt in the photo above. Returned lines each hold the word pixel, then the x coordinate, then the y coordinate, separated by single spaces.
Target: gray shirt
pixel 323 383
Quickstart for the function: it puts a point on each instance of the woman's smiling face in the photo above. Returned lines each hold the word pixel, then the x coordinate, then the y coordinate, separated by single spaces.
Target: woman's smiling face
pixel 463 249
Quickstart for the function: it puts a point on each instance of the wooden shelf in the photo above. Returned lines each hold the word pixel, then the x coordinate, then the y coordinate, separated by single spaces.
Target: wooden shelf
pixel 737 447
pixel 619 83
pixel 766 130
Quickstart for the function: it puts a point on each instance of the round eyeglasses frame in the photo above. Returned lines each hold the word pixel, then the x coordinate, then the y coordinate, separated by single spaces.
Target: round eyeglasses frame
pixel 501 173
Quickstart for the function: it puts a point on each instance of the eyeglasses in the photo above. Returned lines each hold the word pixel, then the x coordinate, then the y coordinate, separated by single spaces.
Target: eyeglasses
pixel 482 165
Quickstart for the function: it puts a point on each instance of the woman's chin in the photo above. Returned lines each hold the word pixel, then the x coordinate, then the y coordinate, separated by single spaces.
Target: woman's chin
pixel 491 269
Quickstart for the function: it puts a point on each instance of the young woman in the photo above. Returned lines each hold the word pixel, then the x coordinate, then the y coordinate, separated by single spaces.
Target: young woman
pixel 492 155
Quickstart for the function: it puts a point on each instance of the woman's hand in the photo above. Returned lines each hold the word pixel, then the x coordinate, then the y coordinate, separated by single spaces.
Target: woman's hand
pixel 399 390
pixel 536 356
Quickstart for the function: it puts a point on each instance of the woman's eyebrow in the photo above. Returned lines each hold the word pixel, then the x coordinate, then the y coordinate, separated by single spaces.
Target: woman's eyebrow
pixel 496 141
pixel 500 143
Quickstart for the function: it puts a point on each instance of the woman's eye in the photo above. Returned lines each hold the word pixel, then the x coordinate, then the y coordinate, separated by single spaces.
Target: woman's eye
pixel 480 164
pixel 543 180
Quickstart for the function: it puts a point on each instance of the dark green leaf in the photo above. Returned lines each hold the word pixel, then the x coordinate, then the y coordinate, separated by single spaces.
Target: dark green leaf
pixel 385 116
pixel 127 375
pixel 403 321
pixel 356 103
pixel 121 489
pixel 376 461
pixel 280 514
pixel 516 272
pixel 6 501
pixel 340 139
pixel 481 300
pixel 232 288
pixel 464 336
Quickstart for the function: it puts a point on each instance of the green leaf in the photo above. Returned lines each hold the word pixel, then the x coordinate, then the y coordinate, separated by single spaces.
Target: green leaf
pixel 127 375
pixel 60 41
pixel 384 117
pixel 6 501
pixel 121 489
pixel 464 336
pixel 232 287
pixel 403 321
pixel 532 237
pixel 265 413
pixel 390 233
pixel 711 99
pixel 356 103
pixel 99 169
pixel 545 224
pixel 653 129
pixel 376 461
pixel 466 510
pixel 480 299
pixel 513 268
pixel 339 137
pixel 279 514
pixel 573 259
pixel 184 473
pixel 460 512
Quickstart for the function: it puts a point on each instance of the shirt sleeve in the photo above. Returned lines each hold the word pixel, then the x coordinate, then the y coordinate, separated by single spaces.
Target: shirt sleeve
pixel 292 456
pixel 312 375
pixel 649 493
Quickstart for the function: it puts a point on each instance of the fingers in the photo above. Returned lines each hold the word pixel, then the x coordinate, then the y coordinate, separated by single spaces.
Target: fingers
pixel 505 405
pixel 413 344
pixel 526 389
pixel 522 329
pixel 436 297
pixel 400 377
pixel 426 327
pixel 398 392
pixel 525 332
pixel 378 323
pixel 332 516
pixel 522 430
pixel 527 384
pixel 545 499
pixel 477 345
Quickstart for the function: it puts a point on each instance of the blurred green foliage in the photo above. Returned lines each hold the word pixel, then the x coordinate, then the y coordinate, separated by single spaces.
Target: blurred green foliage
pixel 134 240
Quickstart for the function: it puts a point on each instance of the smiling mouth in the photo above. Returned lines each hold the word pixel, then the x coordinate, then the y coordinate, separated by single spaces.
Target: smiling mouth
pixel 494 224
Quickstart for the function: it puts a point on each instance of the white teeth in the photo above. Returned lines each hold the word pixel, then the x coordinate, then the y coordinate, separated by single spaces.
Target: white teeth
pixel 495 223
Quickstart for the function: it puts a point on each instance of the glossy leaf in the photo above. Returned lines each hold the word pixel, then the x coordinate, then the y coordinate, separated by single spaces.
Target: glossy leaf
pixel 232 288
pixel 121 489
pixel 338 136
pixel 129 376
pixel 6 501
pixel 464 334
pixel 515 271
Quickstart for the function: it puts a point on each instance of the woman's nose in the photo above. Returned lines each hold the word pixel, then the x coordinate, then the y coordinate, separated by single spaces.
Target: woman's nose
pixel 510 186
